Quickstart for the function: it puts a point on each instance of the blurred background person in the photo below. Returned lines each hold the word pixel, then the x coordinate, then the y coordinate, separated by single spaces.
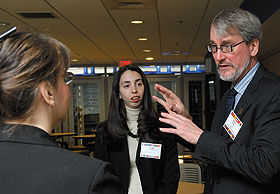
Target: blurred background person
pixel 34 98
pixel 146 160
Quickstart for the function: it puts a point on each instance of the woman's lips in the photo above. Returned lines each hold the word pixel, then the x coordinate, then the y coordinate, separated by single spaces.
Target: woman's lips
pixel 135 99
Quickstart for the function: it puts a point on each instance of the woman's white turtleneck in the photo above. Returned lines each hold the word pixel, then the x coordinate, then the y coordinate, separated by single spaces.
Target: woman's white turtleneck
pixel 135 183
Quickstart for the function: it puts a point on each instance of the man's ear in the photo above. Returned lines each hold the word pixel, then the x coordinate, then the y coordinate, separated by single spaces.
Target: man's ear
pixel 47 93
pixel 254 46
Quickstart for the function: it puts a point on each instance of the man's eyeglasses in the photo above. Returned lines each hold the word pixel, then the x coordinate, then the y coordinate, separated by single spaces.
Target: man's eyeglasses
pixel 227 48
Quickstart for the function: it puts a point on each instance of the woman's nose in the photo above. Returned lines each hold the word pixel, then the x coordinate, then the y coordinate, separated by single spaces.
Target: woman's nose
pixel 134 89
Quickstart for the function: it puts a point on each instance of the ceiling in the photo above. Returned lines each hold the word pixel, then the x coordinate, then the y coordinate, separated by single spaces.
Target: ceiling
pixel 98 32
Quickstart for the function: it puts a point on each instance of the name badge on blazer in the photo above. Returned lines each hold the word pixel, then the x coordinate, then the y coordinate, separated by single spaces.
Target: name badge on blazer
pixel 232 125
pixel 150 150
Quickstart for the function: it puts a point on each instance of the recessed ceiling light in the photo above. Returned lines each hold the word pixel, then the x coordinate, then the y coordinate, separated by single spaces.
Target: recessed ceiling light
pixel 149 58
pixel 142 38
pixel 136 22
pixel 74 60
pixel 4 23
pixel 147 50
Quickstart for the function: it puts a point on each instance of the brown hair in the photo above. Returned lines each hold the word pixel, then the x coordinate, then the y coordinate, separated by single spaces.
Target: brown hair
pixel 26 60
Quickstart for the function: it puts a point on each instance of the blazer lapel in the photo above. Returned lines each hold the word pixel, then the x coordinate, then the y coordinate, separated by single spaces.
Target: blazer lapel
pixel 247 98
pixel 243 104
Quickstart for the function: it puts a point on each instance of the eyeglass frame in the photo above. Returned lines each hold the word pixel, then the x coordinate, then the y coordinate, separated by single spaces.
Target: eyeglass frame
pixel 68 78
pixel 5 34
pixel 222 47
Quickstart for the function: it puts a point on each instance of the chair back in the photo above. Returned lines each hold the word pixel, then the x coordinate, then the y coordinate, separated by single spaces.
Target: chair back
pixel 190 173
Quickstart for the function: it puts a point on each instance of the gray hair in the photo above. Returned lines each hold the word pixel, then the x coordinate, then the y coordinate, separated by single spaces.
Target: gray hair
pixel 236 19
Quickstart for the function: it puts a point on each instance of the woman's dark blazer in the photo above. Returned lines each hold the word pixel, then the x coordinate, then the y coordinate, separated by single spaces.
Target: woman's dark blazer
pixel 32 163
pixel 158 176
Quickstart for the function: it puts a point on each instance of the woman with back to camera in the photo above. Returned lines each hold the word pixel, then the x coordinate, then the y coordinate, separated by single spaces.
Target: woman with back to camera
pixel 33 99
pixel 145 159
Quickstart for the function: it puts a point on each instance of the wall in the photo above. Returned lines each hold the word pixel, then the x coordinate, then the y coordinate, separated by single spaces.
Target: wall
pixel 272 61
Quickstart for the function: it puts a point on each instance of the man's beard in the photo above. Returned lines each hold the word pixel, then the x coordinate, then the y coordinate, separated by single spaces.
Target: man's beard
pixel 236 74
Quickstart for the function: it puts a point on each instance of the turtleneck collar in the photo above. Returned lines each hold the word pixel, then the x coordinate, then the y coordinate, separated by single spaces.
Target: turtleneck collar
pixel 132 114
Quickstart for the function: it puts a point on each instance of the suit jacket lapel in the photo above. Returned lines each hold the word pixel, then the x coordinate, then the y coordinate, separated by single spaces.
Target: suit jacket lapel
pixel 243 104
pixel 247 98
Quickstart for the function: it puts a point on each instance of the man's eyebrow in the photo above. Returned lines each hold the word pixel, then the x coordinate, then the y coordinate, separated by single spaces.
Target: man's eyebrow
pixel 223 42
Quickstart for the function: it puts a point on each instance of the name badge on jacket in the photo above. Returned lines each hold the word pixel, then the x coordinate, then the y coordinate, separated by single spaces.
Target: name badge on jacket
pixel 232 125
pixel 150 150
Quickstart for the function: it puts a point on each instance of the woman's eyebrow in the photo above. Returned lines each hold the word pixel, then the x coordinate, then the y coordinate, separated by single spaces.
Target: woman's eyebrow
pixel 124 82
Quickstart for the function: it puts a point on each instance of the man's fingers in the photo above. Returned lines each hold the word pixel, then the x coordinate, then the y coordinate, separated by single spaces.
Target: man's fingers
pixel 162 93
pixel 168 130
pixel 162 90
pixel 162 102
pixel 171 120
pixel 174 116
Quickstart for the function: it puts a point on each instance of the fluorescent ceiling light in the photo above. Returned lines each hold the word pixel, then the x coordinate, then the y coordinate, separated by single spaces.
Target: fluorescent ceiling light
pixel 147 50
pixel 142 38
pixel 136 22
pixel 4 23
pixel 149 58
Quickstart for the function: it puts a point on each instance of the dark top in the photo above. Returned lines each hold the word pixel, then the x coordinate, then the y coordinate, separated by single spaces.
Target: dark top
pixel 250 164
pixel 31 162
pixel 157 176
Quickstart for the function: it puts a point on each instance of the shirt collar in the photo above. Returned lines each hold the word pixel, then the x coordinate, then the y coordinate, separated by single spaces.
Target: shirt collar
pixel 241 86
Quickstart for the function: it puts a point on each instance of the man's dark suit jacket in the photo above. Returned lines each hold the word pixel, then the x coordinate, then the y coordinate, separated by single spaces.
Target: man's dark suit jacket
pixel 158 176
pixel 250 164
pixel 32 163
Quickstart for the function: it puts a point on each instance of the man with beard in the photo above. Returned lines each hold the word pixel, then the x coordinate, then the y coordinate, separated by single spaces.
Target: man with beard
pixel 242 148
